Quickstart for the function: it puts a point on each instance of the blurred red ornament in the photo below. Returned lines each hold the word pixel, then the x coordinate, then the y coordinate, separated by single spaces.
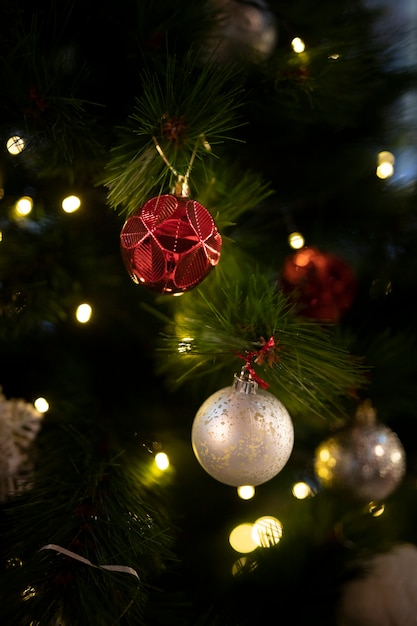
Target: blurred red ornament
pixel 320 284
pixel 170 244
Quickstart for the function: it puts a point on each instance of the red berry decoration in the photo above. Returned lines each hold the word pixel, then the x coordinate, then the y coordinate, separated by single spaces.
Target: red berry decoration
pixel 171 244
pixel 321 285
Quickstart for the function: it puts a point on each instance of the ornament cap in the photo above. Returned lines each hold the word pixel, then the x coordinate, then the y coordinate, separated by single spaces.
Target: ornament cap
pixel 181 187
pixel 244 382
pixel 365 413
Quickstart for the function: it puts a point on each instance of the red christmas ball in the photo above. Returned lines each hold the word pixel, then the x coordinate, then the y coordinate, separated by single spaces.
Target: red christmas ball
pixel 170 244
pixel 320 284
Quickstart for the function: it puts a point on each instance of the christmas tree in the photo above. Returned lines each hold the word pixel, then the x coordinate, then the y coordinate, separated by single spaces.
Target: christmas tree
pixel 207 384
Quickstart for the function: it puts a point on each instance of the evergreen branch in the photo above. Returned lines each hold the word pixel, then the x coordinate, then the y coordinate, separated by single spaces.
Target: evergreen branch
pixel 85 506
pixel 191 103
pixel 229 316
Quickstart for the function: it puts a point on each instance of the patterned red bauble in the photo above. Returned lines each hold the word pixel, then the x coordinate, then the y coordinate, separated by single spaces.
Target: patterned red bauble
pixel 171 244
pixel 321 285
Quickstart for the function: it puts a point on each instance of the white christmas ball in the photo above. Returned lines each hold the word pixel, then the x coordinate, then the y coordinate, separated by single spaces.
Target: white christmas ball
pixel 242 438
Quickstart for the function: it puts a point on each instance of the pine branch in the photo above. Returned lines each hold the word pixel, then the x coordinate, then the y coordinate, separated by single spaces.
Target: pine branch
pixel 191 104
pixel 98 505
pixel 229 315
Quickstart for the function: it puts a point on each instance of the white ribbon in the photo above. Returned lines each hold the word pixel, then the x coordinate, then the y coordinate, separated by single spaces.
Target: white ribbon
pixel 113 568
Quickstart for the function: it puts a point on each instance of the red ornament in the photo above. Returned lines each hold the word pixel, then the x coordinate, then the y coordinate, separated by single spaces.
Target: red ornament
pixel 171 244
pixel 321 285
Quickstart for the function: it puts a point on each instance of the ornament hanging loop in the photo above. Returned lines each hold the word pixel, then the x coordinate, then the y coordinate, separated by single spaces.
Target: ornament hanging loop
pixel 244 381
pixel 181 187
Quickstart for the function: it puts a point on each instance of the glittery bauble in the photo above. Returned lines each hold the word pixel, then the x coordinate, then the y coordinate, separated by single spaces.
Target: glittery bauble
pixel 242 31
pixel 242 438
pixel 170 244
pixel 320 284
pixel 366 461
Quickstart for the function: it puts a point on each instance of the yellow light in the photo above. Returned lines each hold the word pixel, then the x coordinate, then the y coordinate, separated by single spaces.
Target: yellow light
pixel 244 564
pixel 324 454
pixel 162 460
pixel 241 538
pixel 301 490
pixel 376 509
pixel 296 240
pixel 385 167
pixel 246 492
pixel 298 45
pixel 15 145
pixel 267 531
pixel 70 204
pixel 386 157
pixel 385 170
pixel 24 206
pixel 83 313
pixel 41 405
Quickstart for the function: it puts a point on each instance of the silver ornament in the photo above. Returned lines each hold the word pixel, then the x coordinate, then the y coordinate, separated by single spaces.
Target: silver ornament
pixel 365 459
pixel 242 435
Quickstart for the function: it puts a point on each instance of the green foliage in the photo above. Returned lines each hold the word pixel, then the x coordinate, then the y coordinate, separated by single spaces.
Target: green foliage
pixel 190 105
pixel 230 315
pixel 96 504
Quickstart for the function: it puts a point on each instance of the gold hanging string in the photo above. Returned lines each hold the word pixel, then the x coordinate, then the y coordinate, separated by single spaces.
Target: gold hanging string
pixel 181 187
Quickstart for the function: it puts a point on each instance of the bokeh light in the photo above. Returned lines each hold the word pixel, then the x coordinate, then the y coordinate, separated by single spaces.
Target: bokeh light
pixel 267 531
pixel 246 492
pixel 241 538
pixel 15 145
pixel 70 204
pixel 83 313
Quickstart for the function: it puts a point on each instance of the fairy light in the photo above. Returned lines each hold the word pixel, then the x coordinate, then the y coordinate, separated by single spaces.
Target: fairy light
pixel 267 531
pixel 246 492
pixel 385 166
pixel 70 204
pixel 376 509
pixel 162 461
pixel 298 45
pixel 23 206
pixel 296 240
pixel 301 490
pixel 241 538
pixel 41 405
pixel 15 145
pixel 83 313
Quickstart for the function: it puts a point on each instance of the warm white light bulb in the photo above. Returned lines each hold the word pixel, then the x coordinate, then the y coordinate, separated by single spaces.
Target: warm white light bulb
pixel 24 206
pixel 267 531
pixel 162 461
pixel 41 405
pixel 241 538
pixel 296 240
pixel 301 490
pixel 70 204
pixel 246 492
pixel 15 145
pixel 298 45
pixel 83 313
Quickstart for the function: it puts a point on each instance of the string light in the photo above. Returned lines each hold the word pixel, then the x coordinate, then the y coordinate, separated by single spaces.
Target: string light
pixel 23 206
pixel 267 531
pixel 241 538
pixel 298 45
pixel 385 167
pixel 15 145
pixel 70 204
pixel 83 313
pixel 301 490
pixel 246 492
pixel 162 461
pixel 296 240
pixel 41 405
